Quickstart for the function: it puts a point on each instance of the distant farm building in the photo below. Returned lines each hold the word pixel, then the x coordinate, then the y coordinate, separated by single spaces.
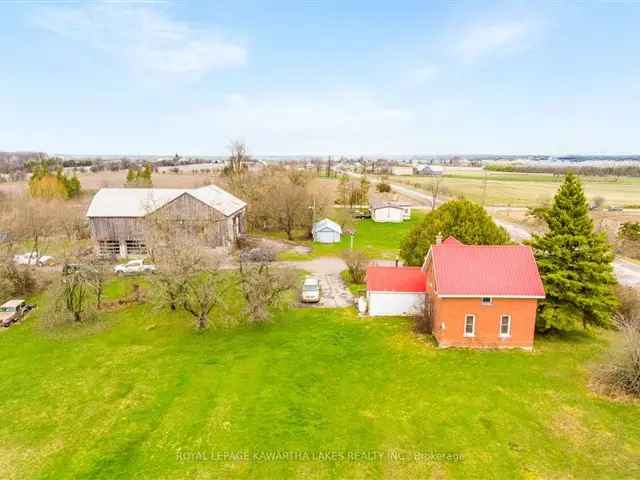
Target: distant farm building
pixel 327 231
pixel 117 216
pixel 402 170
pixel 385 211
pixel 430 170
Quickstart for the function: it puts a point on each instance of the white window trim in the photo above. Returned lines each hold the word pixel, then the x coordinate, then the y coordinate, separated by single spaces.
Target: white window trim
pixel 503 335
pixel 490 302
pixel 472 334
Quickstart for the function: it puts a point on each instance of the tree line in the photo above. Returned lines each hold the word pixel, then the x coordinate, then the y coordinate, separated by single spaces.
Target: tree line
pixel 584 170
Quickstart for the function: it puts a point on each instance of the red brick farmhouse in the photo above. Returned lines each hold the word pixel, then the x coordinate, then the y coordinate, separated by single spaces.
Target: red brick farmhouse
pixel 482 296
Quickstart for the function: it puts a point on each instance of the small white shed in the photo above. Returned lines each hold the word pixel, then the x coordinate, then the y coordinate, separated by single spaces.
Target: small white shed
pixel 326 231
pixel 390 212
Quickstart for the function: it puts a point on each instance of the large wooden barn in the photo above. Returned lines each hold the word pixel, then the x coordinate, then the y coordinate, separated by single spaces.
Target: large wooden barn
pixel 117 216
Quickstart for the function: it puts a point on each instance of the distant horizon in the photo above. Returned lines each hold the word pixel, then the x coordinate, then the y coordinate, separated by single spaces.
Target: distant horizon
pixel 324 155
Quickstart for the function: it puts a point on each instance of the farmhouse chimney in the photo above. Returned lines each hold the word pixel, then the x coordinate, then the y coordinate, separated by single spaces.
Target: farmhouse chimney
pixel 438 239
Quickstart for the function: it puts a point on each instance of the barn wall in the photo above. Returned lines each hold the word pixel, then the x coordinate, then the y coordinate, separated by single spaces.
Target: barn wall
pixel 116 228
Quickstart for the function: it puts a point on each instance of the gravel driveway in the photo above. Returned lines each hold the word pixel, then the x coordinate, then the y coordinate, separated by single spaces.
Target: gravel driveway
pixel 327 270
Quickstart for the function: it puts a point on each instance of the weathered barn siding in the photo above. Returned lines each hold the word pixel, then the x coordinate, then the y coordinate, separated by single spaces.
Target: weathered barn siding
pixel 199 219
pixel 117 228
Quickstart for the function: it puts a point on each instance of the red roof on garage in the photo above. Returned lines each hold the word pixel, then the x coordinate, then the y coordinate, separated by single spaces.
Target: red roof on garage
pixel 485 270
pixel 396 279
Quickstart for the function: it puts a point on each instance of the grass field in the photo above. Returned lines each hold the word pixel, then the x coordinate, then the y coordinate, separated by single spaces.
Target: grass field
pixel 378 240
pixel 141 395
pixel 528 189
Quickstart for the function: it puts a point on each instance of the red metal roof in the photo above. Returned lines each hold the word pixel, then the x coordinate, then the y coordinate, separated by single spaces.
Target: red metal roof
pixel 485 270
pixel 396 279
pixel 452 241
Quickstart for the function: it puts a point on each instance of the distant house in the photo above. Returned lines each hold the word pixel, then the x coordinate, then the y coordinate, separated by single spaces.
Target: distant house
pixel 117 216
pixel 402 170
pixel 386 211
pixel 395 290
pixel 326 231
pixel 430 170
pixel 482 295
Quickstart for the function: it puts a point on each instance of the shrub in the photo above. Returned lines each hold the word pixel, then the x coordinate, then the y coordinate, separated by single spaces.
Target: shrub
pixel 15 280
pixel 357 262
pixel 620 372
pixel 424 320
pixel 258 254
pixel 383 187
pixel 628 312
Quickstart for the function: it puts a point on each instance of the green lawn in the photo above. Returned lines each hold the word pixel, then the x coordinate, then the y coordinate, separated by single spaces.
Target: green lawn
pixel 143 396
pixel 378 240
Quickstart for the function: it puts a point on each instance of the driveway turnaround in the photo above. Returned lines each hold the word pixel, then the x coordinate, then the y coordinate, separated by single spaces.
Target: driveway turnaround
pixel 334 293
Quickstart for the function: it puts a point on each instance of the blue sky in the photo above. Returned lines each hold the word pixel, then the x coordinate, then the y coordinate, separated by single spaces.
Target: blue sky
pixel 320 77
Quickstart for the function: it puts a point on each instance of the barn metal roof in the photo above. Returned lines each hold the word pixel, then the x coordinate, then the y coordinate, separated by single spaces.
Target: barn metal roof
pixel 138 202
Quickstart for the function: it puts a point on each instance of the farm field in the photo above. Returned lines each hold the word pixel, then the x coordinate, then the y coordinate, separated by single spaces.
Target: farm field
pixel 526 189
pixel 95 181
pixel 317 393
pixel 377 240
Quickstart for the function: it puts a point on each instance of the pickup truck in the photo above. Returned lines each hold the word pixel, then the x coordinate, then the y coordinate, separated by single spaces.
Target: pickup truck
pixel 133 267
pixel 12 311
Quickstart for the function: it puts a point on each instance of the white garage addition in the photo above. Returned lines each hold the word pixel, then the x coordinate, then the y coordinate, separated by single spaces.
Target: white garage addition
pixel 395 290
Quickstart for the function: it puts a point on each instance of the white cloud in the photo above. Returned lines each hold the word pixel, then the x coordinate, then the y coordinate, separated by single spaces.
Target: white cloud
pixel 484 39
pixel 145 37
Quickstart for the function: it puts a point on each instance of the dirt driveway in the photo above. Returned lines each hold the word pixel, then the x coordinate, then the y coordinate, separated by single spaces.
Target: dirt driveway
pixel 327 270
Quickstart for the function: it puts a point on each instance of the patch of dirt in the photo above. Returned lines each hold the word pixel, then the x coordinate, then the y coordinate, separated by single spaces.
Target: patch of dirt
pixel 568 424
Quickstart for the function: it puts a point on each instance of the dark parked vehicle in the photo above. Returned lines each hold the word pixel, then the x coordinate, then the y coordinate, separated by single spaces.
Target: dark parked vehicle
pixel 12 311
pixel 361 214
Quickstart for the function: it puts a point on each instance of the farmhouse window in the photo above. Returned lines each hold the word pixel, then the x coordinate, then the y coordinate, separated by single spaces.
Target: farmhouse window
pixel 505 326
pixel 486 300
pixel 470 326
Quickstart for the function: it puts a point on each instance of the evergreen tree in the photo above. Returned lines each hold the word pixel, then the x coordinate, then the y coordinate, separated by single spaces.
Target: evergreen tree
pixel 463 219
pixel 575 264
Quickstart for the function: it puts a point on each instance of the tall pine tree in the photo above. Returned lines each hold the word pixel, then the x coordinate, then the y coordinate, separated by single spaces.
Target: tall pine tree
pixel 575 264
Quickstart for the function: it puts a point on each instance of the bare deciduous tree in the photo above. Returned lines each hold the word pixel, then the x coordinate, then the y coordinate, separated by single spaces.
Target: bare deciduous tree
pixel 187 274
pixel 201 293
pixel 238 158
pixel 357 262
pixel 33 221
pixel 263 288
